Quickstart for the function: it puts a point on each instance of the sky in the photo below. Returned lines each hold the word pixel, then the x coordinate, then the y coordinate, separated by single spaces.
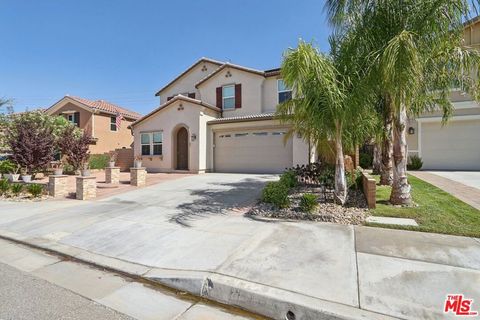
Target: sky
pixel 123 51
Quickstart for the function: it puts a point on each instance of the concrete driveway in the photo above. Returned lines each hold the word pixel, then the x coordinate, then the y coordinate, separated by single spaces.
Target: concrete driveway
pixel 191 234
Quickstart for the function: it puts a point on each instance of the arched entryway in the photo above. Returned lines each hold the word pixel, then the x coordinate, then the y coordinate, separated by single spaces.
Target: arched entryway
pixel 182 149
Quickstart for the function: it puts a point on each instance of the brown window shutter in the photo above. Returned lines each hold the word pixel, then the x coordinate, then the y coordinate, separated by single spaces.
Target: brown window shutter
pixel 169 98
pixel 219 98
pixel 238 96
pixel 191 95
pixel 76 118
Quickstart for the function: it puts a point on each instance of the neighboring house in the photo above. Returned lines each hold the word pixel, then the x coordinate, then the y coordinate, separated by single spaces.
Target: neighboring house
pixel 456 145
pixel 217 116
pixel 98 118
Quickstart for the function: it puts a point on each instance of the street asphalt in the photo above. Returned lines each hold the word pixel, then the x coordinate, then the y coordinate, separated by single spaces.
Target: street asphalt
pixel 25 297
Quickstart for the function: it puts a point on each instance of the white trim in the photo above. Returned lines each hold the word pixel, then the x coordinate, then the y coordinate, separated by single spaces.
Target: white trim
pixel 466 105
pixel 419 137
pixel 454 118
pixel 413 151
pixel 93 124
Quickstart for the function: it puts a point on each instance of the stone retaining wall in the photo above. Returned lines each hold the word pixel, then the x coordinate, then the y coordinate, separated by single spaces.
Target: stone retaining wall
pixel 369 189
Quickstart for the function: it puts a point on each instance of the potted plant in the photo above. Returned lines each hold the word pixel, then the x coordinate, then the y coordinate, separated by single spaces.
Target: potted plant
pixel 85 172
pixel 113 158
pixel 57 168
pixel 6 167
pixel 25 176
pixel 14 175
pixel 138 162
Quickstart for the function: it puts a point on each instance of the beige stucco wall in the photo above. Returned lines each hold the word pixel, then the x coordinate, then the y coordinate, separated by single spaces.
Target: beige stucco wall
pixel 85 115
pixel 109 140
pixel 251 90
pixel 270 94
pixel 193 117
pixel 187 82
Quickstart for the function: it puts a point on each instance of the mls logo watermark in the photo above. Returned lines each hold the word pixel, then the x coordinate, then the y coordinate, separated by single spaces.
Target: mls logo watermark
pixel 459 305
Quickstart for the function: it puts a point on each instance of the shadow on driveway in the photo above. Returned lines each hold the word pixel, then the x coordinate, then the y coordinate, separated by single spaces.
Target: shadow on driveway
pixel 220 199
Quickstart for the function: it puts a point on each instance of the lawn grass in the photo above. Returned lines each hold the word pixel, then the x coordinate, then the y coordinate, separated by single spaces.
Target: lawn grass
pixel 435 211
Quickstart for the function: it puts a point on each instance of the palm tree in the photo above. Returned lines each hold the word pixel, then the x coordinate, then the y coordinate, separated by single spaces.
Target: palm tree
pixel 415 55
pixel 324 107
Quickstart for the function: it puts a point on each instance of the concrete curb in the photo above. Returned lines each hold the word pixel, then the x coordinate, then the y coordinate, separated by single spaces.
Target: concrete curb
pixel 268 301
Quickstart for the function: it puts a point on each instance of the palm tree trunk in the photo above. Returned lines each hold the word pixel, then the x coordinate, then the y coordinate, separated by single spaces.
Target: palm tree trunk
pixel 401 188
pixel 377 158
pixel 340 181
pixel 386 173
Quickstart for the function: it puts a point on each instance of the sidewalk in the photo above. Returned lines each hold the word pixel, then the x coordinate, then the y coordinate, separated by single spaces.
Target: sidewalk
pixel 178 235
pixel 36 285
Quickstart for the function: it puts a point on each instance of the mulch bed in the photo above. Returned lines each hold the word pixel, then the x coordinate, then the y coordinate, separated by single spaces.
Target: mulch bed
pixel 354 212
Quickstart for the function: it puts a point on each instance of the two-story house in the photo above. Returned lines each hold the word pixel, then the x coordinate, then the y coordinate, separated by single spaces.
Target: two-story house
pixel 456 145
pixel 99 119
pixel 218 117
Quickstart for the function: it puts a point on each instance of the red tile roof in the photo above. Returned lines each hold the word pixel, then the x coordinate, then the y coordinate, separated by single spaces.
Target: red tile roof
pixel 106 106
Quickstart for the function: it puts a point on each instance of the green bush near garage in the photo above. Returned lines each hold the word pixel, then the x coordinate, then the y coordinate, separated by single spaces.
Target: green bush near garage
pixel 98 161
pixel 276 193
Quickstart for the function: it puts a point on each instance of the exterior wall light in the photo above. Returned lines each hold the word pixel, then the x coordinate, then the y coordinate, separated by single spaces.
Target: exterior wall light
pixel 193 137
pixel 411 130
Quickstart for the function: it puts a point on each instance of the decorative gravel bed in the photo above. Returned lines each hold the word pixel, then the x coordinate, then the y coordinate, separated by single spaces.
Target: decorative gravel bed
pixel 354 212
pixel 24 198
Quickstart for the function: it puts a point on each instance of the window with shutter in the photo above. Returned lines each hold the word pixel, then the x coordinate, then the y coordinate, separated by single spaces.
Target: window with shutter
pixel 238 96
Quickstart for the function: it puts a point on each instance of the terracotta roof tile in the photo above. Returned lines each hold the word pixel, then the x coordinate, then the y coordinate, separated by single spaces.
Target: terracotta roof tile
pixel 106 106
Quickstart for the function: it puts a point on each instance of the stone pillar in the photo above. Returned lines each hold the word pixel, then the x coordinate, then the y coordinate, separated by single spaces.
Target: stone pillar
pixel 112 175
pixel 138 177
pixel 57 186
pixel 86 188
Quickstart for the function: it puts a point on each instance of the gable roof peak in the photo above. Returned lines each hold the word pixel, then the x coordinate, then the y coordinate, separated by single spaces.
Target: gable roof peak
pixel 202 59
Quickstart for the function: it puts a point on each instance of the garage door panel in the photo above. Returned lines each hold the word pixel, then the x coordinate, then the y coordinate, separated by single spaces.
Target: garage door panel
pixel 455 146
pixel 252 153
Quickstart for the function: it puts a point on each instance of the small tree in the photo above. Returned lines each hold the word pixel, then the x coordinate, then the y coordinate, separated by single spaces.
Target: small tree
pixel 75 148
pixel 31 142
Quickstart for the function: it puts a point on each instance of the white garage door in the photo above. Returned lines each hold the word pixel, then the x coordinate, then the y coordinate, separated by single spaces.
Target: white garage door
pixel 252 151
pixel 456 146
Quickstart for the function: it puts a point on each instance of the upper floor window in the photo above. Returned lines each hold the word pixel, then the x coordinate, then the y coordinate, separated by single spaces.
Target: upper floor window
pixel 228 97
pixel 284 93
pixel 113 123
pixel 74 118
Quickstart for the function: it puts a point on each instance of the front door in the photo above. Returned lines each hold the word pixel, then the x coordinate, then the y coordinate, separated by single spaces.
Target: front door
pixel 182 149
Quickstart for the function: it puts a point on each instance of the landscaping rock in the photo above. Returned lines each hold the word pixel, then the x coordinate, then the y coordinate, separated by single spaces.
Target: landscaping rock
pixel 354 212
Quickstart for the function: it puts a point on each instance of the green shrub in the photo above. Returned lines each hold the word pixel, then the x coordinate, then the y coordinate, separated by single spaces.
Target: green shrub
pixel 289 178
pixel 354 179
pixel 366 160
pixel 35 189
pixel 308 202
pixel 68 169
pixel 415 163
pixel 98 161
pixel 4 186
pixel 276 193
pixel 7 166
pixel 16 188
